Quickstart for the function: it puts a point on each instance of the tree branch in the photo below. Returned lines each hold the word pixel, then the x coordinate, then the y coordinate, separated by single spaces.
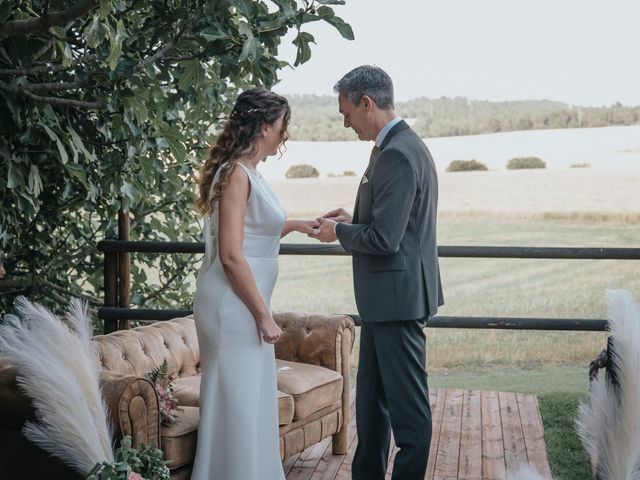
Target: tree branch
pixel 55 87
pixel 43 23
pixel 56 101
pixel 92 300
pixel 45 68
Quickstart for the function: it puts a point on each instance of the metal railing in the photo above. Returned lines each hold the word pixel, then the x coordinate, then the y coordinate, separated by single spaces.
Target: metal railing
pixel 116 312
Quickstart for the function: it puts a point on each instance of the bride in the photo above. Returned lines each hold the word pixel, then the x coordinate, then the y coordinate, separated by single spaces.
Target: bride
pixel 244 221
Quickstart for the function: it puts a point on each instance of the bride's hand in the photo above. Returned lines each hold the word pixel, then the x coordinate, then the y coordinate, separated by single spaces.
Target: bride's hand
pixel 269 329
pixel 306 226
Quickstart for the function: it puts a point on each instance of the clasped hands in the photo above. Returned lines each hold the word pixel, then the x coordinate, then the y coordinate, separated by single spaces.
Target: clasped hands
pixel 326 230
pixel 322 228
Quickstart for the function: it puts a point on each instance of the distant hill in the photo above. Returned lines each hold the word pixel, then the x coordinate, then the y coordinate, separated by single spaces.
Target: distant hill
pixel 316 118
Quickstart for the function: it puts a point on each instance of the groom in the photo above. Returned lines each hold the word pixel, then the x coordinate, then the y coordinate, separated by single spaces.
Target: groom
pixel 392 239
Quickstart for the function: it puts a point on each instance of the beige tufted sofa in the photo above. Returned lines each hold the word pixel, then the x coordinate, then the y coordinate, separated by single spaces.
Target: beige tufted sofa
pixel 312 358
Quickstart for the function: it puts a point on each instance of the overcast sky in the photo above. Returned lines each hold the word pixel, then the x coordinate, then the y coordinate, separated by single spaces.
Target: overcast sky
pixel 583 52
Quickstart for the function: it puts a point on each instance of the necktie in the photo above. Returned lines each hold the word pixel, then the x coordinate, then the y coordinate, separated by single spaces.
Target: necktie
pixel 374 152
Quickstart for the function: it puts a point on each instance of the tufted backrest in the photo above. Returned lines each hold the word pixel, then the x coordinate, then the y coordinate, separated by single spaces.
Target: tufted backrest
pixel 139 350
pixel 314 338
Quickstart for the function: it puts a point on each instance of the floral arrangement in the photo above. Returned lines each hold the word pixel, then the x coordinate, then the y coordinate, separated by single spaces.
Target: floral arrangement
pixel 164 389
pixel 144 463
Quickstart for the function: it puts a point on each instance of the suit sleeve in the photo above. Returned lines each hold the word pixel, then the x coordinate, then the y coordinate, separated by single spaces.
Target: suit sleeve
pixel 393 192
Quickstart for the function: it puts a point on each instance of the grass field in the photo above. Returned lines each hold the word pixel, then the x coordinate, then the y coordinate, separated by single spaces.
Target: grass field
pixel 492 287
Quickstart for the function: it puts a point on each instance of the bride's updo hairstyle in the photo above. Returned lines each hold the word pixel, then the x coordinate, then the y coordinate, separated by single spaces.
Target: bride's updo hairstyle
pixel 253 109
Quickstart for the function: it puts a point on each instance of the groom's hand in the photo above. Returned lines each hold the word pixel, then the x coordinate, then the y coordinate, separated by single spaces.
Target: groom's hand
pixel 338 215
pixel 327 231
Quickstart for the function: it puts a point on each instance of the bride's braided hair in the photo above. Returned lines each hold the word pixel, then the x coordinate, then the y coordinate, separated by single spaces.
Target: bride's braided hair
pixel 253 109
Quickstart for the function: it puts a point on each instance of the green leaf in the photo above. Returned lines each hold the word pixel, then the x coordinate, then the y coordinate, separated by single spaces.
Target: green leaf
pixel 64 156
pixel 285 6
pixel 96 33
pixel 105 9
pixel 77 172
pixel 175 141
pixel 344 28
pixel 35 182
pixel 115 42
pixel 331 2
pixel 250 49
pixel 304 51
pixel 14 176
pixel 138 107
pixel 192 75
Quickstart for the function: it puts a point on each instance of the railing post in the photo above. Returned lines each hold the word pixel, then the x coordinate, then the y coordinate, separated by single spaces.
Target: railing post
pixel 124 270
pixel 110 288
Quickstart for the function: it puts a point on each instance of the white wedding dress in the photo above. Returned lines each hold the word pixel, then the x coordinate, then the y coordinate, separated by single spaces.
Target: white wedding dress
pixel 238 433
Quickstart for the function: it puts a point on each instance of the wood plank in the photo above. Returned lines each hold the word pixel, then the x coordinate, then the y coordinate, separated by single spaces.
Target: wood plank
pixel 288 463
pixel 437 411
pixel 533 434
pixel 330 464
pixel 449 443
pixel 515 452
pixel 308 460
pixel 470 462
pixel 488 434
pixel 493 464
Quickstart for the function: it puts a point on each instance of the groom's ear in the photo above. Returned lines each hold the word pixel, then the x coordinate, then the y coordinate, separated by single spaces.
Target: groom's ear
pixel 367 102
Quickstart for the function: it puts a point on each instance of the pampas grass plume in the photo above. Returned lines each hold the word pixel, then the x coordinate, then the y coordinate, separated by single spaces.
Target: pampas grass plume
pixel 58 369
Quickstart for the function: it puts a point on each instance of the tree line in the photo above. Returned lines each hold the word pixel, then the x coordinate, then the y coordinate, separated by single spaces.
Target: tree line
pixel 316 118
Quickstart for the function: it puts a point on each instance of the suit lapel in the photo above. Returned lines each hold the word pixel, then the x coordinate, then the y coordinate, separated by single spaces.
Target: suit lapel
pixel 398 127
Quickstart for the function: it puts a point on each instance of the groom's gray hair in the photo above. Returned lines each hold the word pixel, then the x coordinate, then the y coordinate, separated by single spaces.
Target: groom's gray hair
pixel 367 80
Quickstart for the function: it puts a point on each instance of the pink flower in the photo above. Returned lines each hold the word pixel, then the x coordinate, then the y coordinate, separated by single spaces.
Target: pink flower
pixel 135 476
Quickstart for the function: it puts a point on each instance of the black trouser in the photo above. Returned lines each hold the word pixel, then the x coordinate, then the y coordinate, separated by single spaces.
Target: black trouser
pixel 392 393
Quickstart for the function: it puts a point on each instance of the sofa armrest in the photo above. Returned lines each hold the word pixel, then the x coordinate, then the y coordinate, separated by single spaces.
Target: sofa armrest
pixel 317 339
pixel 133 407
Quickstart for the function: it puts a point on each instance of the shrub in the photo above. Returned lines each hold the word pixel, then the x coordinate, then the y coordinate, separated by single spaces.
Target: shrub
pixel 525 162
pixel 580 165
pixel 302 171
pixel 346 173
pixel 466 166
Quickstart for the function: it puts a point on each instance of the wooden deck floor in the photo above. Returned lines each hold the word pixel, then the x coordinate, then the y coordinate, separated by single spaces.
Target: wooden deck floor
pixel 477 435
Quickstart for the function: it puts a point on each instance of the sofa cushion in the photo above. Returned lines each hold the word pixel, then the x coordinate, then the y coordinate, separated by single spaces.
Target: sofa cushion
pixel 180 438
pixel 312 387
pixel 286 408
pixel 187 390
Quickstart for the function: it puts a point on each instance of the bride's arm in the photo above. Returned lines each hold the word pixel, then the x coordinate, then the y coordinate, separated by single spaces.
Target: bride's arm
pixel 231 235
pixel 303 226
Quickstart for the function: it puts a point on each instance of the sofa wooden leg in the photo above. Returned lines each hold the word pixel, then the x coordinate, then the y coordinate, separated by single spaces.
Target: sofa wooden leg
pixel 339 442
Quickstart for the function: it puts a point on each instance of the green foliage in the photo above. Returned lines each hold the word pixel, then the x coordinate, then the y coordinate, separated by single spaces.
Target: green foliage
pixel 317 117
pixel 147 461
pixel 159 372
pixel 302 171
pixel 520 163
pixel 466 166
pixel 112 108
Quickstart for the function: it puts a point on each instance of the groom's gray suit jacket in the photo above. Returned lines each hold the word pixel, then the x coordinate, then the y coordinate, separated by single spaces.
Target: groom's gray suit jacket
pixel 392 237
